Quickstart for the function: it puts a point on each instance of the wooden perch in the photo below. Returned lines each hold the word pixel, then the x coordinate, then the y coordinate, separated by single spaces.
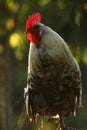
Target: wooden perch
pixel 23 123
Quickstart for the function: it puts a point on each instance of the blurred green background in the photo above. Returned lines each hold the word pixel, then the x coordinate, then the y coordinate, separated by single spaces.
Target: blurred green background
pixel 69 19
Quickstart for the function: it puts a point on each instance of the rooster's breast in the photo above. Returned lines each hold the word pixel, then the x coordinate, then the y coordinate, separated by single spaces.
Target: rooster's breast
pixel 53 84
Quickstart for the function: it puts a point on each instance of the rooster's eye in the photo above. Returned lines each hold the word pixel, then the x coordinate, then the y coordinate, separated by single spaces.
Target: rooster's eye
pixel 36 27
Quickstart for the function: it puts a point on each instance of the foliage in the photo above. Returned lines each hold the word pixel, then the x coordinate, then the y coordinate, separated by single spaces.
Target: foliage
pixel 67 17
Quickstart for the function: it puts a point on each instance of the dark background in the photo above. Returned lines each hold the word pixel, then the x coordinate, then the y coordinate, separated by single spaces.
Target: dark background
pixel 69 19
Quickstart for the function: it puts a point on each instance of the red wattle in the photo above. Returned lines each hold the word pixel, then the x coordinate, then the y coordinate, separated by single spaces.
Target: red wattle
pixel 33 38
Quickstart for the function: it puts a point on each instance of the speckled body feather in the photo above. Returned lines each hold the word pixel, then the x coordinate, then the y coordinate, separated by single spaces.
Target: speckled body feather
pixel 54 78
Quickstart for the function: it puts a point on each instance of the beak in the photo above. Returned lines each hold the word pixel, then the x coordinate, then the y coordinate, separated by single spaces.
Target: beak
pixel 27 31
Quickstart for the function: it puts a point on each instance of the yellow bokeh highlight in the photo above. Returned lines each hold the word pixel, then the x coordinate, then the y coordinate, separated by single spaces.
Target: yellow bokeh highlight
pixel 85 6
pixel 12 5
pixel 43 2
pixel 60 4
pixel 76 52
pixel 84 56
pixel 14 40
pixel 10 24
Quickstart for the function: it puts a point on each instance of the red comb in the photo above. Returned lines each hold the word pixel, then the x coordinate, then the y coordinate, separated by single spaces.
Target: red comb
pixel 36 17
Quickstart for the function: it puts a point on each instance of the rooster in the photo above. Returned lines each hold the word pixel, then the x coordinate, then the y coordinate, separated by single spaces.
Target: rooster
pixel 54 77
